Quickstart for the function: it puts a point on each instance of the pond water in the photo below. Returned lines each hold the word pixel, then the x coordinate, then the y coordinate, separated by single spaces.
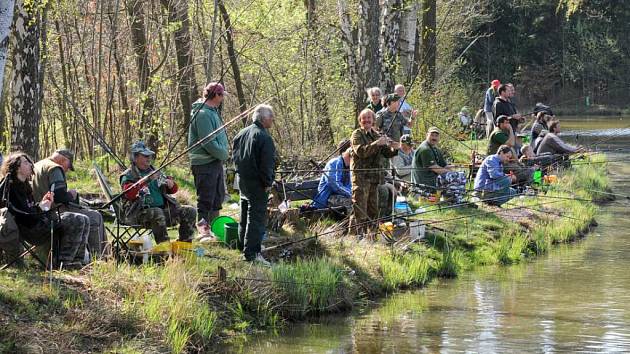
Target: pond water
pixel 574 299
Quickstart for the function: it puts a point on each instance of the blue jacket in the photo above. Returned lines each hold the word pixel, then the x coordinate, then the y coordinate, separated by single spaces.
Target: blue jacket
pixel 335 180
pixel 489 174
pixel 489 100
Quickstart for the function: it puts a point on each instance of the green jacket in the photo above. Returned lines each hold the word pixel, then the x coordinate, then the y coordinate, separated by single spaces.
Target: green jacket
pixel 366 165
pixel 426 156
pixel 207 121
pixel 254 155
pixel 497 138
pixel 159 195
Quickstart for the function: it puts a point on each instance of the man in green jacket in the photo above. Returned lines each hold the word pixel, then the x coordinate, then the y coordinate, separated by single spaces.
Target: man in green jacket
pixel 254 157
pixel 207 159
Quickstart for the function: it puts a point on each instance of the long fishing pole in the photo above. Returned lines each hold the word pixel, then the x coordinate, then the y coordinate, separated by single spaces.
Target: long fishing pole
pixel 195 145
pixel 282 245
pixel 220 80
pixel 88 127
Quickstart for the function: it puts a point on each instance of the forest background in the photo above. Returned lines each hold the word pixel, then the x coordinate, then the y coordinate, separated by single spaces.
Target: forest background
pixel 131 69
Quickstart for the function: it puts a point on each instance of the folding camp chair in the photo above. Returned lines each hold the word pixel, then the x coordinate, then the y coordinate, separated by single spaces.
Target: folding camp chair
pixel 122 232
pixel 21 246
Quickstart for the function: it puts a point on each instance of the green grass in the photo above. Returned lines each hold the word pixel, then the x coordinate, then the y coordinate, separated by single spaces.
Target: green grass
pixel 311 286
pixel 404 271
pixel 179 305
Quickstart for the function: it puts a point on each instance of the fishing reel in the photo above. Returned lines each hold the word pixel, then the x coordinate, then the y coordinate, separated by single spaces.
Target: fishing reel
pixel 161 180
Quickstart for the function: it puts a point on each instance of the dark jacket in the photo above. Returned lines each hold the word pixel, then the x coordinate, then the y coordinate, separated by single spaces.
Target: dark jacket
pixel 254 154
pixel 502 107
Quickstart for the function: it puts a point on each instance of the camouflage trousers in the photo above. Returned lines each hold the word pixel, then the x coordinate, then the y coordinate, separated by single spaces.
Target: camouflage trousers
pixel 158 219
pixel 338 200
pixel 369 202
pixel 75 229
pixel 97 239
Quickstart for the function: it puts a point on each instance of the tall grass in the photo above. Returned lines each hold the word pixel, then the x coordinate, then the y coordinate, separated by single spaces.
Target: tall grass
pixel 511 248
pixel 404 271
pixel 166 296
pixel 311 286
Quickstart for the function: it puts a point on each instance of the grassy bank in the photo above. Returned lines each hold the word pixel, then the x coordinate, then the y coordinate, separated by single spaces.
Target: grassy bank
pixel 182 305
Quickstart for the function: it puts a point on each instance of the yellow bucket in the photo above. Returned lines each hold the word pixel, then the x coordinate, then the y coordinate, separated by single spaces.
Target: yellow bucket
pixel 179 247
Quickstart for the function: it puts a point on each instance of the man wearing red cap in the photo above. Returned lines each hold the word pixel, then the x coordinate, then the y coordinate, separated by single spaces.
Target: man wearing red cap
pixel 491 93
pixel 207 159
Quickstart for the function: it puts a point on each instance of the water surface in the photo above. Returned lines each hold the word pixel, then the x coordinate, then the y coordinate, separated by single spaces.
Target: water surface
pixel 574 299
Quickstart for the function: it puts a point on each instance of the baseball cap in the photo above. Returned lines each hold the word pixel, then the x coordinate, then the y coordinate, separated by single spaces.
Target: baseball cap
pixel 67 154
pixel 140 148
pixel 214 87
pixel 406 139
pixel 495 82
pixel 433 130
pixel 392 97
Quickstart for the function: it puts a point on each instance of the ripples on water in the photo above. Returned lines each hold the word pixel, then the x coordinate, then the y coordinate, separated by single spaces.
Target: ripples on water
pixel 575 299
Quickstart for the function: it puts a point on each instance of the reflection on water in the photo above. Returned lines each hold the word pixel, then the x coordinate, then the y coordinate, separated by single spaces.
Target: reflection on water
pixel 576 299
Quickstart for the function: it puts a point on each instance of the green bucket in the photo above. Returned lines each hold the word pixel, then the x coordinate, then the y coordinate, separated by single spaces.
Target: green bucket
pixel 218 226
pixel 231 234
pixel 537 177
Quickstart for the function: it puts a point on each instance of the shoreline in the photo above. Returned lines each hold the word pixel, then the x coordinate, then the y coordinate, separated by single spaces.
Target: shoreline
pixel 181 305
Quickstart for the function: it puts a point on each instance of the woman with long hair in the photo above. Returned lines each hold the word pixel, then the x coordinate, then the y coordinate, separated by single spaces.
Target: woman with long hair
pixel 35 220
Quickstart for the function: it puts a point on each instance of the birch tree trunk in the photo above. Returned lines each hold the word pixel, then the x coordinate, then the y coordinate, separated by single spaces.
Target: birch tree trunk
pixel 408 42
pixel 178 13
pixel 26 104
pixel 390 34
pixel 362 52
pixel 6 18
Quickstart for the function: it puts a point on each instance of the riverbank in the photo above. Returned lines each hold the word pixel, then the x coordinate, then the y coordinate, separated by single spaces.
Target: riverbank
pixel 182 305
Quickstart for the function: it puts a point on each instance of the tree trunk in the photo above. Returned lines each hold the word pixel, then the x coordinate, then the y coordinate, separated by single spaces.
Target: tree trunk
pixel 319 104
pixel 236 71
pixel 390 34
pixel 178 13
pixel 6 18
pixel 368 44
pixel 139 42
pixel 352 59
pixel 429 44
pixel 408 42
pixel 27 81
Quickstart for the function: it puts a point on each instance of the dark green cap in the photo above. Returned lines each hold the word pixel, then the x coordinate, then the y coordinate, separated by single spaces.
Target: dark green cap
pixel 392 97
pixel 67 154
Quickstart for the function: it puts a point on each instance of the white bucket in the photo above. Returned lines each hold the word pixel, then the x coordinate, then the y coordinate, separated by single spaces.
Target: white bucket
pixel 416 229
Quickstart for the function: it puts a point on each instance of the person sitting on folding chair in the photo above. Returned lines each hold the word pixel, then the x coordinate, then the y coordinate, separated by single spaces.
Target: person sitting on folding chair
pixel 35 220
pixel 149 203
pixel 51 172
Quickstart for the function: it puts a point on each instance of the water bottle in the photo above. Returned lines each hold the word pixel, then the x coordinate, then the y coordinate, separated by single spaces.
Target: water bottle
pixel 147 244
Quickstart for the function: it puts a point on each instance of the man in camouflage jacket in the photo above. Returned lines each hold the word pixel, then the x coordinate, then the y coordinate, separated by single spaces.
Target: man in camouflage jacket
pixel 149 203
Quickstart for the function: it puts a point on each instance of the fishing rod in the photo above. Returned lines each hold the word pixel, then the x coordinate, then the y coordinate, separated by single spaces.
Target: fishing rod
pixel 195 145
pixel 422 62
pixel 220 80
pixel 282 245
pixel 93 132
